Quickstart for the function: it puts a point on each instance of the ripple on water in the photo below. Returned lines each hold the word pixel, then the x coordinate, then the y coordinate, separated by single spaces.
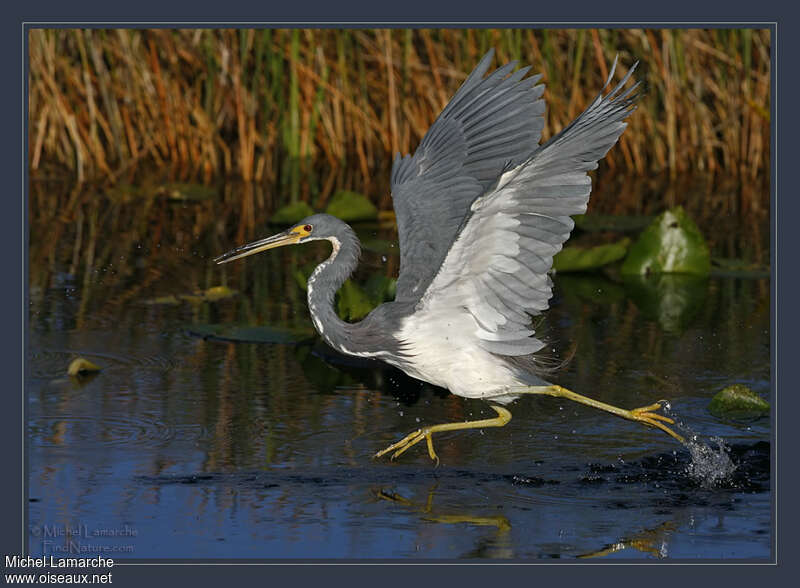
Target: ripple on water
pixel 51 364
pixel 98 431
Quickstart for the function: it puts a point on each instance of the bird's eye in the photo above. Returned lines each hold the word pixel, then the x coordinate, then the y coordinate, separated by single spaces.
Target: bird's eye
pixel 307 228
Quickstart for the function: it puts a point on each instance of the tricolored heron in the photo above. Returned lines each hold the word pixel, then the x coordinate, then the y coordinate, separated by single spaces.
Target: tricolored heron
pixel 481 210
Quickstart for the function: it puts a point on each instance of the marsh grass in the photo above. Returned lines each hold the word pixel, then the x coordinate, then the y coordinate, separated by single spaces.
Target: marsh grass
pixel 306 112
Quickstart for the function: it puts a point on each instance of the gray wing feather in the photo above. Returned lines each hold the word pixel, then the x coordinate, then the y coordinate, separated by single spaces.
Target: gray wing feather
pixel 497 268
pixel 490 122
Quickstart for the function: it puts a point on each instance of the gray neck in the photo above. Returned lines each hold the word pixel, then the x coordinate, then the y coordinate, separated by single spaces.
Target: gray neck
pixel 323 283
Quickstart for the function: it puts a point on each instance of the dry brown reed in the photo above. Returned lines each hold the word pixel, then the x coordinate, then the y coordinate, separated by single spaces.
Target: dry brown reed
pixel 310 111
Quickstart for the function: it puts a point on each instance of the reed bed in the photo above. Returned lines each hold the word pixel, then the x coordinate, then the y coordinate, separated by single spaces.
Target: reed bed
pixel 307 112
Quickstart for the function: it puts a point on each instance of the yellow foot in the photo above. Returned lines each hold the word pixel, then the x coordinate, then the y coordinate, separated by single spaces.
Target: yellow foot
pixel 503 416
pixel 409 441
pixel 646 415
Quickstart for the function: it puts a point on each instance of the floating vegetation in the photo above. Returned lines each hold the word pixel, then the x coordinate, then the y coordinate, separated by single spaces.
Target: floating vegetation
pixel 671 244
pixel 251 334
pixel 738 402
pixel 353 304
pixel 351 207
pixel 82 367
pixel 577 259
pixel 213 294
pixel 291 213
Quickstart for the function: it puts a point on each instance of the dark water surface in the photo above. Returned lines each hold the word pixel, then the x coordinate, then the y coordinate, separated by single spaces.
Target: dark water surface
pixel 192 447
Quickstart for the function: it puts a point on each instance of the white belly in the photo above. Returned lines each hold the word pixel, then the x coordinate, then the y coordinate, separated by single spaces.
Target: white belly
pixel 444 351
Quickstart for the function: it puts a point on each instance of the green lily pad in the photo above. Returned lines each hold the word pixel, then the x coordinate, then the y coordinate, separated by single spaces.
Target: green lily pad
pixel 170 300
pixel 251 334
pixel 738 401
pixel 577 259
pixel 672 300
pixel 353 303
pixel 351 206
pixel 380 288
pixel 219 293
pixel 291 213
pixel 212 294
pixel 81 367
pixel 671 244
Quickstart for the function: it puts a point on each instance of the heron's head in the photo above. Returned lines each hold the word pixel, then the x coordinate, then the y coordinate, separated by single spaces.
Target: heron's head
pixel 311 228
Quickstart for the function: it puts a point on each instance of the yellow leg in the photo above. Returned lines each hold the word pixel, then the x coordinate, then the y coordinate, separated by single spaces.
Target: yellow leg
pixel 644 415
pixel 503 416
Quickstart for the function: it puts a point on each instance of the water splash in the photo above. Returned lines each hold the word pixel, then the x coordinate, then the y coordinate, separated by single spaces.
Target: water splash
pixel 709 466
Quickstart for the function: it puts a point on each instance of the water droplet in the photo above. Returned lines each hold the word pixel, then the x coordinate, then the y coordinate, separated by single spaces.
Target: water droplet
pixel 709 466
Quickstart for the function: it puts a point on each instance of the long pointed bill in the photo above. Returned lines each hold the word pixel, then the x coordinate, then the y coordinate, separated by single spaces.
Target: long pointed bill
pixel 279 240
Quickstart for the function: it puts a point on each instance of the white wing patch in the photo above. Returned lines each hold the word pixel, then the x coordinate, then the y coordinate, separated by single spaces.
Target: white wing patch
pixel 497 267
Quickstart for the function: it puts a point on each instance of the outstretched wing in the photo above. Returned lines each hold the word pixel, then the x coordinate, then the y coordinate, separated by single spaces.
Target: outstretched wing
pixel 497 268
pixel 490 122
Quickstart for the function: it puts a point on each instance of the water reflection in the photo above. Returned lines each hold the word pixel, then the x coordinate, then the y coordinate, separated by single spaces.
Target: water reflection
pixel 215 447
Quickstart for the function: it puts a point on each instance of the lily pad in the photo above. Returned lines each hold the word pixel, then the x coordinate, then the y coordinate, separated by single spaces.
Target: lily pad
pixel 251 334
pixel 738 401
pixel 353 303
pixel 671 244
pixel 170 300
pixel 213 294
pixel 81 367
pixel 219 293
pixel 576 259
pixel 351 206
pixel 380 288
pixel 291 213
